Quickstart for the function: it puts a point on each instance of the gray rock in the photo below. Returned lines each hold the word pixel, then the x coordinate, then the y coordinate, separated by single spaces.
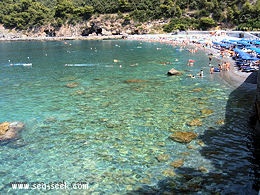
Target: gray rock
pixel 12 130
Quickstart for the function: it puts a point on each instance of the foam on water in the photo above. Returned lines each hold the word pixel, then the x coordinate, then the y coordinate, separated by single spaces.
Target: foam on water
pixel 80 65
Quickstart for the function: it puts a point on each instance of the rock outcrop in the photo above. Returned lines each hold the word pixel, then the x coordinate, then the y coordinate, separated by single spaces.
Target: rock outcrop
pixel 173 72
pixel 9 130
pixel 93 29
pixel 105 24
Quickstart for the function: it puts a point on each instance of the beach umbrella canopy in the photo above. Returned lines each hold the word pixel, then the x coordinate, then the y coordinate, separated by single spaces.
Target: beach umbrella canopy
pixel 256 42
pixel 257 50
pixel 216 43
pixel 221 44
pixel 244 43
pixel 233 41
pixel 230 42
pixel 244 55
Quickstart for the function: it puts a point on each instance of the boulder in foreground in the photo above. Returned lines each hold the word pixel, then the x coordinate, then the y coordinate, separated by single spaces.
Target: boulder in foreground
pixel 9 130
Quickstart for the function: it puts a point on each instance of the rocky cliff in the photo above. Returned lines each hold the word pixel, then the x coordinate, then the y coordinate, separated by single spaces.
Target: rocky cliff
pixel 111 24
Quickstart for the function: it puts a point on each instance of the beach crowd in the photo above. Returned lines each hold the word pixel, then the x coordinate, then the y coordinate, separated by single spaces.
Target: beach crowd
pixel 205 42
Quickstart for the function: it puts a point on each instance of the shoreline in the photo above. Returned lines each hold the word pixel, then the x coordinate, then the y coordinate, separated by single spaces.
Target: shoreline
pixel 233 77
pixel 91 37
pixel 188 40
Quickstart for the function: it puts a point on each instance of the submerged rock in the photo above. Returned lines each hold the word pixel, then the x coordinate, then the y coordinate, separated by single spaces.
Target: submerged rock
pixel 201 143
pixel 195 122
pixel 9 130
pixel 79 92
pixel 203 169
pixel 163 157
pixel 169 173
pixel 183 137
pixel 206 111
pixel 135 81
pixel 220 122
pixel 177 163
pixel 68 78
pixel 72 85
pixel 197 90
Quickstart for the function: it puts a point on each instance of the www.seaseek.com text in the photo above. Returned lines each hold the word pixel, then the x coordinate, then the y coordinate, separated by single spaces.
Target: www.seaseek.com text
pixel 63 185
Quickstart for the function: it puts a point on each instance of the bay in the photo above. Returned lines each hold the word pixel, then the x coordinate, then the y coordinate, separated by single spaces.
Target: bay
pixel 101 112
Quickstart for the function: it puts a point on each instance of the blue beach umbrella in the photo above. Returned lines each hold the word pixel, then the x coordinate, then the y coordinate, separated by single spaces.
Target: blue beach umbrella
pixel 244 55
pixel 257 50
pixel 244 43
pixel 215 42
pixel 256 42
pixel 229 42
pixel 221 44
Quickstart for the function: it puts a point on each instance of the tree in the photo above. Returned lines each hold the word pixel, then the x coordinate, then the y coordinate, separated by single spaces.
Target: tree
pixel 206 23
pixel 63 9
pixel 124 6
pixel 24 14
pixel 84 12
pixel 181 24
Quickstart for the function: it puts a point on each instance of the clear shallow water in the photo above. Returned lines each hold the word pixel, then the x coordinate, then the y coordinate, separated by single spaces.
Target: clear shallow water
pixel 101 112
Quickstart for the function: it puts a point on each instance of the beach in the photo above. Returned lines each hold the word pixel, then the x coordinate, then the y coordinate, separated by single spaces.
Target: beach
pixel 203 42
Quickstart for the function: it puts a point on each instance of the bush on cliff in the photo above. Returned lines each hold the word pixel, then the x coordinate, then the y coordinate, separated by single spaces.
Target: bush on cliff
pixel 27 14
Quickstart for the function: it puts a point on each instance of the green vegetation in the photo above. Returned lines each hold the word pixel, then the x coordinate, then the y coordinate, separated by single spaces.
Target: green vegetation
pixel 183 14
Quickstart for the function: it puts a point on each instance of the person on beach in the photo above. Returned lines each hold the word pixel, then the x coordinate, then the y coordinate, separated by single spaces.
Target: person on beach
pixel 222 53
pixel 210 57
pixel 224 66
pixel 219 67
pixel 227 66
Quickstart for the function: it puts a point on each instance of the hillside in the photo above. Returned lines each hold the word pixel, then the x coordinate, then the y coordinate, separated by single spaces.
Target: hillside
pixel 71 17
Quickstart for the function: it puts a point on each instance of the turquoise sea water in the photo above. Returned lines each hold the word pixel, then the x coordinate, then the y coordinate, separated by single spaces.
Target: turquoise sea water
pixel 101 112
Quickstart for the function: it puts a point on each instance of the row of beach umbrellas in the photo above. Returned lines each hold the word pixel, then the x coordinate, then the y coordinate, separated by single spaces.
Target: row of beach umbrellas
pixel 238 45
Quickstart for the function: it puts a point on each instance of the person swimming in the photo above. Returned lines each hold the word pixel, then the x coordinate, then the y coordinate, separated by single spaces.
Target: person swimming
pixel 211 69
pixel 201 73
pixel 191 76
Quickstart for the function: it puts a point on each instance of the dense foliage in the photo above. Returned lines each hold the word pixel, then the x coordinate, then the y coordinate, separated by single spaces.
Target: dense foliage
pixel 183 14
